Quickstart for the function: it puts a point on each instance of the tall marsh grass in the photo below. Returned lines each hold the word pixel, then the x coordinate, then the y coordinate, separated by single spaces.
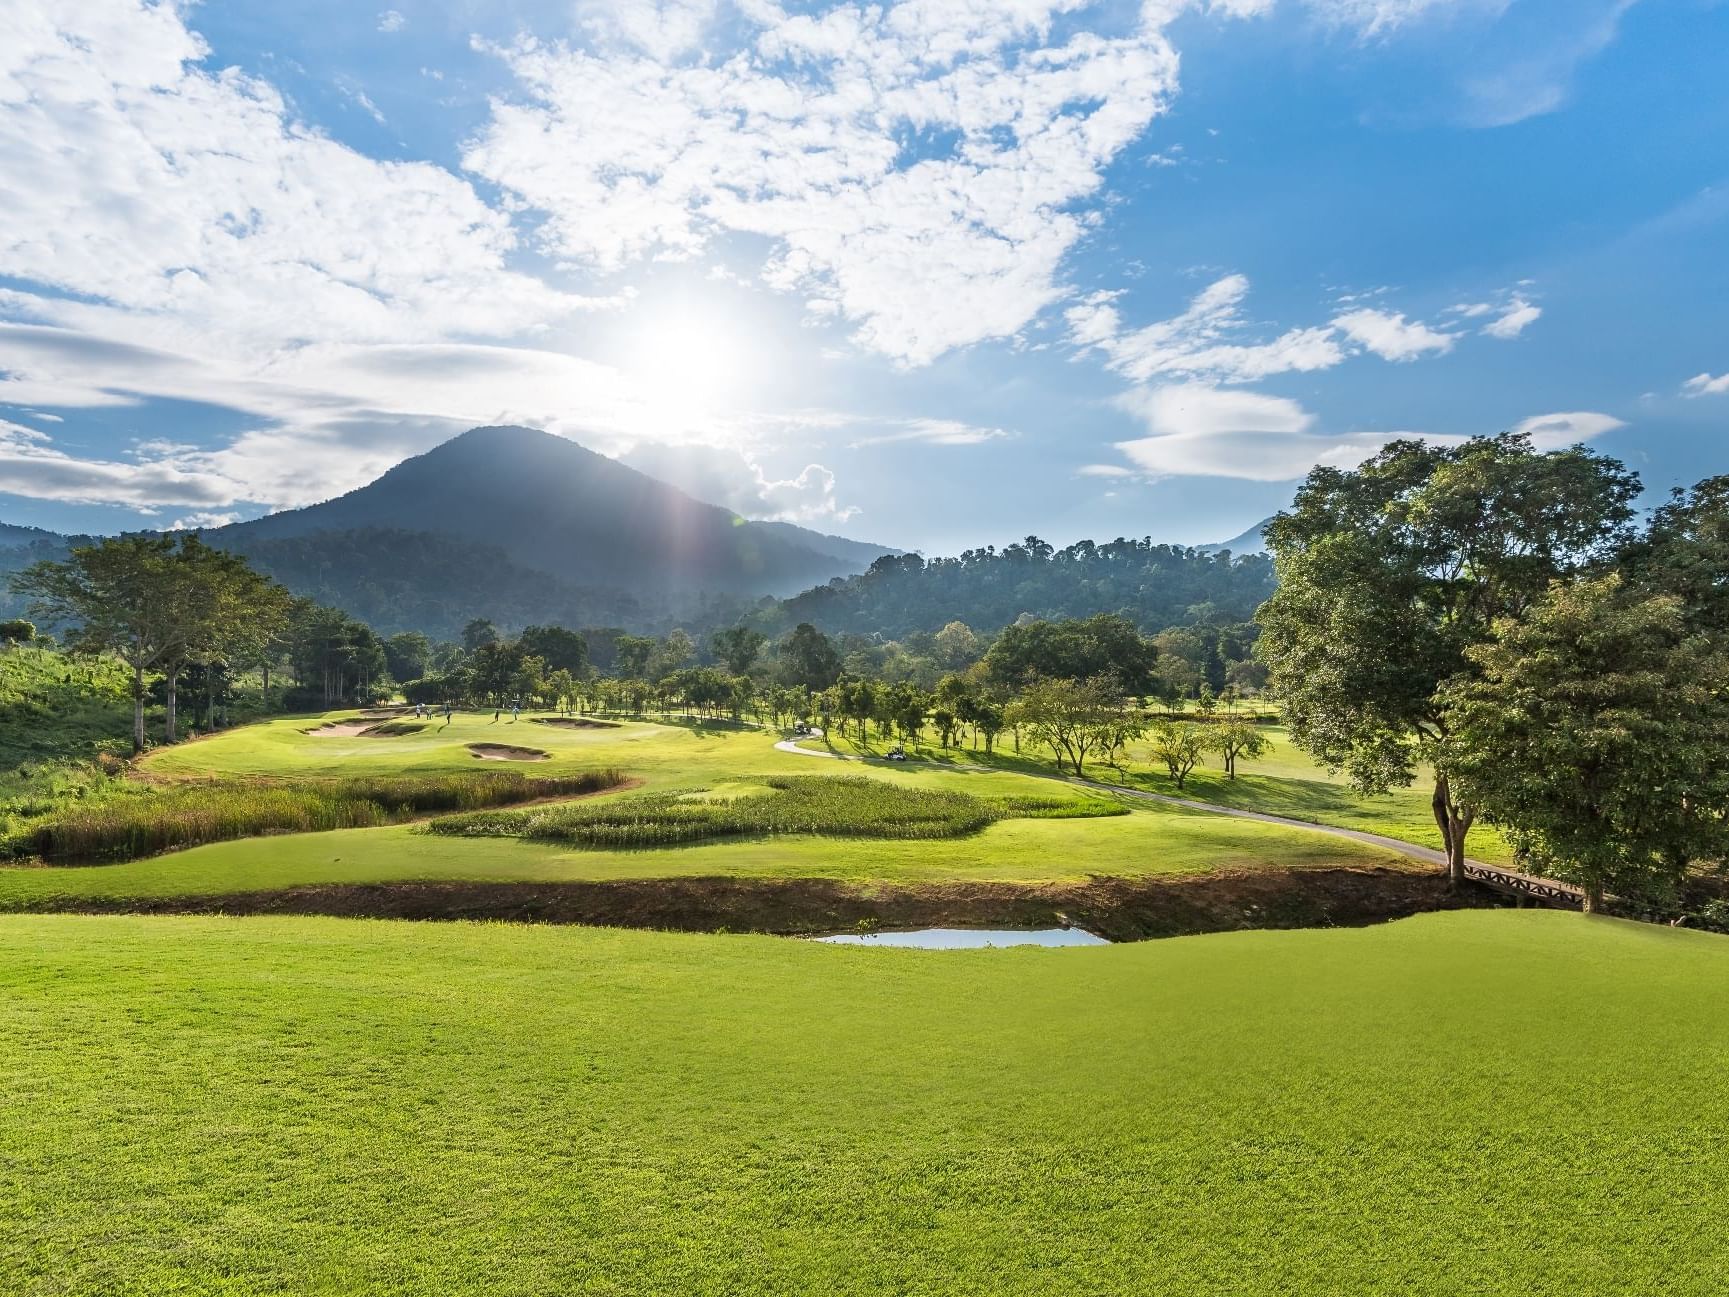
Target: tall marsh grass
pixel 812 804
pixel 151 820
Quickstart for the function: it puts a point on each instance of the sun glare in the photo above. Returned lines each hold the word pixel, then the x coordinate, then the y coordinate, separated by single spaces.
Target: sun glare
pixel 688 366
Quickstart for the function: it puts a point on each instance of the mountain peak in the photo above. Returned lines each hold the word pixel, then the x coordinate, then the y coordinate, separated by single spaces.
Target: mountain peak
pixel 555 506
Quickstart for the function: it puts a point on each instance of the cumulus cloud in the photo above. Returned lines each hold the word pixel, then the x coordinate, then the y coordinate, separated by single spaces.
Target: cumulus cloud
pixel 1557 431
pixel 737 480
pixel 1706 385
pixel 917 165
pixel 391 21
pixel 179 202
pixel 199 521
pixel 1391 336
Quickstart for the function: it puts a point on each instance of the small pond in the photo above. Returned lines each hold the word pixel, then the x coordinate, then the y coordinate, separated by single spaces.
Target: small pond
pixel 969 938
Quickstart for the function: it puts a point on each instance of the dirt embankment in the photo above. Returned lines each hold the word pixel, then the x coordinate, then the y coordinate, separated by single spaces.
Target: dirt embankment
pixel 1119 909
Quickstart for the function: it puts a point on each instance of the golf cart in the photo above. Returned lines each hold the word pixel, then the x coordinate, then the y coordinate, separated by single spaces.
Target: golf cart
pixel 897 753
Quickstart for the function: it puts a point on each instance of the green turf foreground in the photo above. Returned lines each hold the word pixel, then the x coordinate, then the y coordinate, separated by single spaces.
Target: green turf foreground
pixel 1485 1102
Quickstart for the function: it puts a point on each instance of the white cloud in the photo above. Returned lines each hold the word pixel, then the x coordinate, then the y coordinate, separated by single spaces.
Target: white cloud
pixel 916 164
pixel 1200 410
pixel 1197 343
pixel 199 521
pixel 1705 385
pixel 187 205
pixel 738 480
pixel 1104 470
pixel 1204 431
pixel 1391 336
pixel 935 432
pixel 391 21
pixel 1557 431
pixel 1373 16
pixel 1191 344
pixel 1514 319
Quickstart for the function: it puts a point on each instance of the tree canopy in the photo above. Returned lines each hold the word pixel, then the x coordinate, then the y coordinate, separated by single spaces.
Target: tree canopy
pixel 1390 573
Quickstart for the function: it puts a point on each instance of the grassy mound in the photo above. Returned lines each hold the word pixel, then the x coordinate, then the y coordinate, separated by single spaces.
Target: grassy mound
pixel 56 707
pixel 143 820
pixel 1509 1102
pixel 823 806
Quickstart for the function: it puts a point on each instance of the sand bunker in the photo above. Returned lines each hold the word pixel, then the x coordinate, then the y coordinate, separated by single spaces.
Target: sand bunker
pixel 505 752
pixel 365 728
pixel 575 723
pixel 340 730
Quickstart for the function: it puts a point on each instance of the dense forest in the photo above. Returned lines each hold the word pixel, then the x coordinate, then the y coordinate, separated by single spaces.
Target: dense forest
pixel 1155 586
pixel 422 581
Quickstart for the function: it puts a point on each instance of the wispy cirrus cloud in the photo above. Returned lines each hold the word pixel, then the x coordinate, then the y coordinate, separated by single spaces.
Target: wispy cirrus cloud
pixel 1706 385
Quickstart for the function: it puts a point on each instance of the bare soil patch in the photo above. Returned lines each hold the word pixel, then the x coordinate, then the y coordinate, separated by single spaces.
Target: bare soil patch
pixel 1117 909
pixel 507 752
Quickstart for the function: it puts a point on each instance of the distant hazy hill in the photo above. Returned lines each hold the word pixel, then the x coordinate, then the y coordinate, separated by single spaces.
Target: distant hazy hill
pixel 1252 541
pixel 554 507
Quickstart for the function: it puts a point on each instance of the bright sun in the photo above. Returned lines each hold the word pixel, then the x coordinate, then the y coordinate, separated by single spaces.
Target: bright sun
pixel 688 367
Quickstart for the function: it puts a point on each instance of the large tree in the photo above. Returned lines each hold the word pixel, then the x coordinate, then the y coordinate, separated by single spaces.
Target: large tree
pixel 1389 574
pixel 1103 647
pixel 1594 734
pixel 559 648
pixel 1074 718
pixel 807 658
pixel 156 602
pixel 737 647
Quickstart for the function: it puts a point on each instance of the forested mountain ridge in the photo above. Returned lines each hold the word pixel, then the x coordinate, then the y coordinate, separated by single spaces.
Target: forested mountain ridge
pixel 585 520
pixel 1153 585
pixel 421 581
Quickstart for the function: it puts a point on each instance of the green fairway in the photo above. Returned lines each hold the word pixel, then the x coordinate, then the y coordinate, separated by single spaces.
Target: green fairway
pixel 1285 782
pixel 665 754
pixel 1502 1102
pixel 1150 840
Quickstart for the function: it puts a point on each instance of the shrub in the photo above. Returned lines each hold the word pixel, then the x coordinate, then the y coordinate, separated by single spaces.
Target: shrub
pixel 152 820
pixel 812 804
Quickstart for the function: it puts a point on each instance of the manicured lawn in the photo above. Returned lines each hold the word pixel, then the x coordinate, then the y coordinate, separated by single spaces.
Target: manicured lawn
pixel 1150 840
pixel 1497 1102
pixel 663 754
pixel 1285 782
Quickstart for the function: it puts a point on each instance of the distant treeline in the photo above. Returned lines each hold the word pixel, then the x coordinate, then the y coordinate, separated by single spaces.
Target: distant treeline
pixel 1155 586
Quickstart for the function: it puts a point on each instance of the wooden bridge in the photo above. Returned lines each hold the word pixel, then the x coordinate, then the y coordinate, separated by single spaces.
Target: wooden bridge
pixel 1526 887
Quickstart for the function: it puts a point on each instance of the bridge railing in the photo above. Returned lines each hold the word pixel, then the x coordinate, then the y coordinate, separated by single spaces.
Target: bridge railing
pixel 1545 890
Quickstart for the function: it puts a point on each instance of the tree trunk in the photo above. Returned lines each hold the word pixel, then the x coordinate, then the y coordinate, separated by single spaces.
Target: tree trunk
pixel 1593 898
pixel 137 708
pixel 169 718
pixel 1455 823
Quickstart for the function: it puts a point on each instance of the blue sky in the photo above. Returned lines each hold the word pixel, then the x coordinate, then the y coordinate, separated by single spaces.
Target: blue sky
pixel 936 274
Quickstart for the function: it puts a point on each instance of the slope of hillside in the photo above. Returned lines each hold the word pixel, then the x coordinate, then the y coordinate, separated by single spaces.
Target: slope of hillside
pixel 416 580
pixel 1153 585
pixel 555 507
